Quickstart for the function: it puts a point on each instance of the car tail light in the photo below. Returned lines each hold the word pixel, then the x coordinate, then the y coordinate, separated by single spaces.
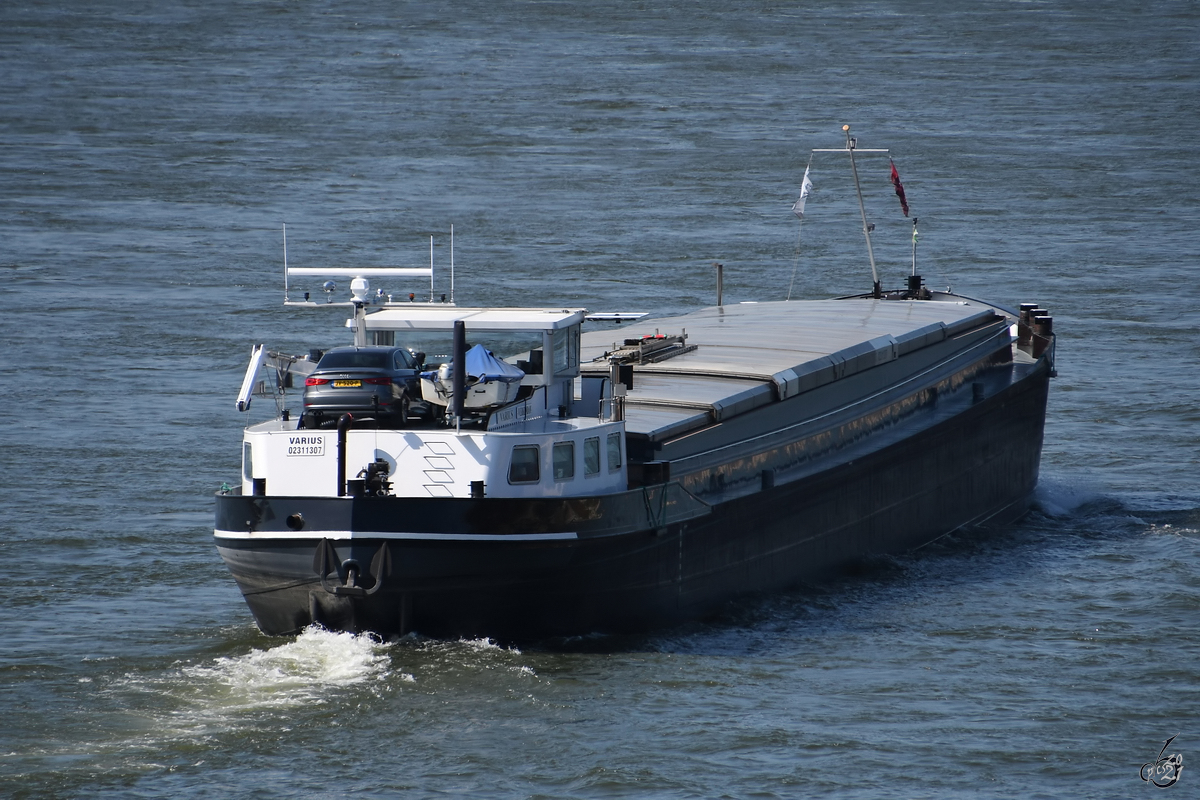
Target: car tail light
pixel 316 381
pixel 379 381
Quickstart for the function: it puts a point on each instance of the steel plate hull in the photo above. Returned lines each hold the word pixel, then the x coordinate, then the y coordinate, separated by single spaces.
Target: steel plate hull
pixel 515 568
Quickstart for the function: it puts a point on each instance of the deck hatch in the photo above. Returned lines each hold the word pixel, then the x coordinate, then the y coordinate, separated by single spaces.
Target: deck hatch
pixel 747 355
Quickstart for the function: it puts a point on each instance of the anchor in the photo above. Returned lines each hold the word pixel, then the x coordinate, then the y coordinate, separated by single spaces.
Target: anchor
pixel 326 559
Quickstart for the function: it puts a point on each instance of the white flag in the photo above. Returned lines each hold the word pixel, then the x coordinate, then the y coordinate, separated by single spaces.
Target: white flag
pixel 805 188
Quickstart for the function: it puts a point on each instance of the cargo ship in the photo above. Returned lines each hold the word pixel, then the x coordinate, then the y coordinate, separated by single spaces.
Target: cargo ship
pixel 552 480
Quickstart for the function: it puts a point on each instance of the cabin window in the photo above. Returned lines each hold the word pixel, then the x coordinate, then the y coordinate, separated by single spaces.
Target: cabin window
pixel 614 451
pixel 564 461
pixel 247 461
pixel 524 466
pixel 387 338
pixel 591 456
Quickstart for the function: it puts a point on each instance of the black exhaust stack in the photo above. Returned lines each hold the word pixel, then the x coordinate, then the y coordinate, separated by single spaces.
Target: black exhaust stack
pixel 459 378
pixel 342 426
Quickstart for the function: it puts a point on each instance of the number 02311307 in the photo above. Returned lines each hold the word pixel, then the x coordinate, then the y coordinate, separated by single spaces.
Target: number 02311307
pixel 306 446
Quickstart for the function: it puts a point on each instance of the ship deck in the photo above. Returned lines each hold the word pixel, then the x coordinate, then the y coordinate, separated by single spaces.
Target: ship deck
pixel 752 354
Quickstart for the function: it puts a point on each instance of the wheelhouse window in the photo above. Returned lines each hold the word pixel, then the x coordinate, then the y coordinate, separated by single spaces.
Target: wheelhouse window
pixel 591 456
pixel 564 461
pixel 614 451
pixel 565 347
pixel 524 466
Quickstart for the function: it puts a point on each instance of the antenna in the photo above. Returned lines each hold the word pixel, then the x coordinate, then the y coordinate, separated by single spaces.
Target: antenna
pixel 914 247
pixel 359 285
pixel 285 267
pixel 452 264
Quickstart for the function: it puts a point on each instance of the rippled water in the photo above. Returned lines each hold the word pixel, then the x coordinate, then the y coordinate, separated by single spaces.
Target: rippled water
pixel 600 154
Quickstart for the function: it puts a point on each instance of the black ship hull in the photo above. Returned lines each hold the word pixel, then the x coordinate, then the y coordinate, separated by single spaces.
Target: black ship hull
pixel 649 557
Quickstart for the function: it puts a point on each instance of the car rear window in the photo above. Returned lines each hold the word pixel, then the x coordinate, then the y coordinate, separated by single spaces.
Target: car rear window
pixel 356 359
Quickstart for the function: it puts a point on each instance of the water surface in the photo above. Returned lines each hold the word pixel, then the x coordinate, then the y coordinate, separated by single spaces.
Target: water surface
pixel 603 155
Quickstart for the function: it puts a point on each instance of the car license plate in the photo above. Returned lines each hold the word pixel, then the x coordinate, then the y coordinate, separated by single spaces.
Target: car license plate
pixel 347 384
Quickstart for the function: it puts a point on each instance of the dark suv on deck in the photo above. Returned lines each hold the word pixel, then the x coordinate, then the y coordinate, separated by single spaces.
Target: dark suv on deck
pixel 377 381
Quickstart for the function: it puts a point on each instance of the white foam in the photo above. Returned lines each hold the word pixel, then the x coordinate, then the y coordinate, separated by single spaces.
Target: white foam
pixel 1167 529
pixel 486 644
pixel 1056 497
pixel 300 671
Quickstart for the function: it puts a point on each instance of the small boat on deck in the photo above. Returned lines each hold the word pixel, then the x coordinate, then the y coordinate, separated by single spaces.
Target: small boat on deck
pixel 562 482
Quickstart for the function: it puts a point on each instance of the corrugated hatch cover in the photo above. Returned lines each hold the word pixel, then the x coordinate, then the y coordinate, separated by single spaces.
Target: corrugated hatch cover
pixel 752 354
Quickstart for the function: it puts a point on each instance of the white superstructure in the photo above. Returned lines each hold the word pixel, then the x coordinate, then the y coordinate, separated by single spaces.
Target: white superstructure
pixel 530 446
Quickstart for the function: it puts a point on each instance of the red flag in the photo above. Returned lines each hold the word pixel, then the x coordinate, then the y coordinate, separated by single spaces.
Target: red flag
pixel 899 188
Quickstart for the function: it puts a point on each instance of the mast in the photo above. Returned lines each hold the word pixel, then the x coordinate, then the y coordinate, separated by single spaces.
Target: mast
pixel 877 289
pixel 851 146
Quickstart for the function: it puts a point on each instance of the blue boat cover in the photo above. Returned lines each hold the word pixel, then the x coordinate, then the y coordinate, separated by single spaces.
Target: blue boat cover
pixel 483 367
